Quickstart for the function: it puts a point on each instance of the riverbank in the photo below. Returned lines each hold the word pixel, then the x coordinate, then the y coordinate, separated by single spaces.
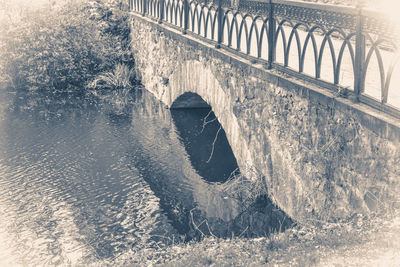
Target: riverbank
pixel 360 241
pixel 54 53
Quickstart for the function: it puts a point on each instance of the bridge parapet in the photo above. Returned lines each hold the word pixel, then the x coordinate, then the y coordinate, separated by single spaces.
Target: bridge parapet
pixel 349 50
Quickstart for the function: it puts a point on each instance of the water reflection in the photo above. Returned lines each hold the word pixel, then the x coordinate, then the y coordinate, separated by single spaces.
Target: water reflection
pixel 88 186
pixel 205 143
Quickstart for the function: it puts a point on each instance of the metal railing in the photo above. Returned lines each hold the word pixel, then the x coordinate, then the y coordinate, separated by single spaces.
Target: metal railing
pixel 349 50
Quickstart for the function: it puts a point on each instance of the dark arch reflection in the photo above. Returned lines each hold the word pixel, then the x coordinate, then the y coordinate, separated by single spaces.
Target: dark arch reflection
pixel 204 138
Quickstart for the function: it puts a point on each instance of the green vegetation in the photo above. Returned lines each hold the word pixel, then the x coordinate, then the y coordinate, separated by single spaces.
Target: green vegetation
pixel 59 53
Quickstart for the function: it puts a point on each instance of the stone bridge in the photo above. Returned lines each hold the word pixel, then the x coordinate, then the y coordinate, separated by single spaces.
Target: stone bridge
pixel 325 150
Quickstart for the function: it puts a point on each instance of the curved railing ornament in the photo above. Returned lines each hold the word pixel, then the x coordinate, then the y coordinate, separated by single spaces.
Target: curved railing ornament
pixel 345 48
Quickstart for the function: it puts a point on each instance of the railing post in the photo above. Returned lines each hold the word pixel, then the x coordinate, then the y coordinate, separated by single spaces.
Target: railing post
pixel 186 16
pixel 271 35
pixel 360 53
pixel 220 14
pixel 144 3
pixel 160 11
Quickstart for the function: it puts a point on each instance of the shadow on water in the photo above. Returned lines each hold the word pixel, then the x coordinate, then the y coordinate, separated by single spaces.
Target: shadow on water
pixel 198 192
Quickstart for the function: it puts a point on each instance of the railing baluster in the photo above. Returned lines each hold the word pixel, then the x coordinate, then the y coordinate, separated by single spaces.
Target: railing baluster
pixel 161 11
pixel 271 35
pixel 220 14
pixel 144 3
pixel 360 54
pixel 186 16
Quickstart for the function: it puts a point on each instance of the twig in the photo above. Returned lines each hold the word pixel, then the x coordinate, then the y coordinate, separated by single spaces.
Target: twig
pixel 233 175
pixel 281 223
pixel 213 144
pixel 329 144
pixel 381 203
pixel 209 229
pixel 162 236
pixel 205 122
pixel 243 232
pixel 195 226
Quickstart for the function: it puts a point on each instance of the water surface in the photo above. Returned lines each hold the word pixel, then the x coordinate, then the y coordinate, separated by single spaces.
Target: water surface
pixel 84 186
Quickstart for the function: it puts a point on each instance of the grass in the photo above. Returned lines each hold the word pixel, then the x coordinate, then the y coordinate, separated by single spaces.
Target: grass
pixel 244 189
pixel 359 241
pixel 115 87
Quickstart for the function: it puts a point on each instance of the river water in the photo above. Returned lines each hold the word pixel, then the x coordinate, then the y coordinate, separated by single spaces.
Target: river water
pixel 83 186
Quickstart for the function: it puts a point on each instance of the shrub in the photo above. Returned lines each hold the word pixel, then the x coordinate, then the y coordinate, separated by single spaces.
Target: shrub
pixel 115 86
pixel 60 48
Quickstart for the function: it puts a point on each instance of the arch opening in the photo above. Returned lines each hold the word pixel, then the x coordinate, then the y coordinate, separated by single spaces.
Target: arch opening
pixel 204 138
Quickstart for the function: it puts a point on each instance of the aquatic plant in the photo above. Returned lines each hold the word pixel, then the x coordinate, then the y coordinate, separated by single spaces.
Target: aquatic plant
pixel 119 78
pixel 115 86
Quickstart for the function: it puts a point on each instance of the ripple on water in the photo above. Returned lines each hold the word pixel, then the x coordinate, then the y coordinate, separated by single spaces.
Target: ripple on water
pixel 90 188
pixel 68 195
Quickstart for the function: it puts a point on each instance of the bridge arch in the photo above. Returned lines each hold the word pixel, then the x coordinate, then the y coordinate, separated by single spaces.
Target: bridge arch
pixel 190 100
pixel 193 85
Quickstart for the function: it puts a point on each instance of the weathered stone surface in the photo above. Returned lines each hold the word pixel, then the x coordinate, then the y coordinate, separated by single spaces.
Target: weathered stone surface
pixel 322 157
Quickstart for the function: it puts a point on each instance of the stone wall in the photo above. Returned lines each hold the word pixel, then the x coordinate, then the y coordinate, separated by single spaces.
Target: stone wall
pixel 322 156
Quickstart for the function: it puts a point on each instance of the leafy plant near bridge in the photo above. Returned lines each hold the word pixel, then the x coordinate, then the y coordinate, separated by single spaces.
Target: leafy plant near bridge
pixel 53 52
